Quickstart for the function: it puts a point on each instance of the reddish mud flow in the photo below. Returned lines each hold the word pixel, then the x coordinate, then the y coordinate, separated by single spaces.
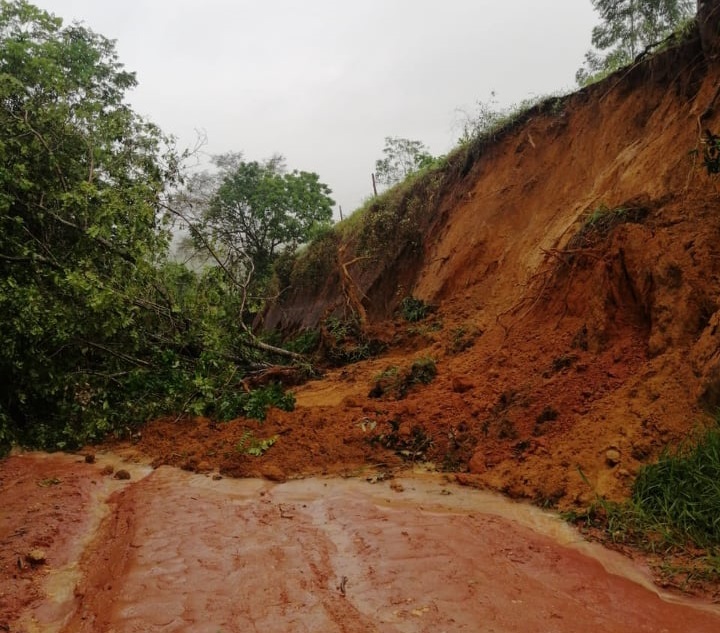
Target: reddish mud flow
pixel 182 552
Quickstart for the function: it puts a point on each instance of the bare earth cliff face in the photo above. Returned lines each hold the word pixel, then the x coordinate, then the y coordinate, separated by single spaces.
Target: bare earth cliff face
pixel 575 269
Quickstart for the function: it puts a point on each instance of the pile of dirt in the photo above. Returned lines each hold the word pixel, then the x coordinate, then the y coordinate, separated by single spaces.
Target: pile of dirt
pixel 575 269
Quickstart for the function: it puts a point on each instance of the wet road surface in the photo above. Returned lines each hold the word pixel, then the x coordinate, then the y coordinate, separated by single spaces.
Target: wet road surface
pixel 174 551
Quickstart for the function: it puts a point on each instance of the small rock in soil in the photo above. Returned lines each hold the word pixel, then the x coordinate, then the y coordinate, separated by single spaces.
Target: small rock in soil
pixel 90 458
pixel 36 557
pixel 612 457
pixel 273 473
pixel 107 470
pixel 122 474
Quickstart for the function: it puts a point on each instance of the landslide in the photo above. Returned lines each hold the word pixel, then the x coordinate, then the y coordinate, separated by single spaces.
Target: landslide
pixel 573 265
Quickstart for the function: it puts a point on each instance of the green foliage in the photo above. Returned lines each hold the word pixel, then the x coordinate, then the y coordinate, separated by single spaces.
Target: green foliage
pixel 396 383
pixel 628 27
pixel 80 181
pixel 489 120
pixel 98 331
pixel 345 342
pixel 674 505
pixel 389 224
pixel 681 492
pixel 422 372
pixel 402 158
pixel 252 211
pixel 463 337
pixel 394 221
pixel 253 446
pixel 306 342
pixel 315 263
pixel 259 401
pixel 414 310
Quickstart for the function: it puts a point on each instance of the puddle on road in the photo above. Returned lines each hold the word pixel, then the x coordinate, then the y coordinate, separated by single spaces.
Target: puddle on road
pixel 183 552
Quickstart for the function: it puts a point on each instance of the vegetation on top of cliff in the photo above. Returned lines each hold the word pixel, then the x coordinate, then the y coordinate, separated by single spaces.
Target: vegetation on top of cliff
pixel 630 29
pixel 396 220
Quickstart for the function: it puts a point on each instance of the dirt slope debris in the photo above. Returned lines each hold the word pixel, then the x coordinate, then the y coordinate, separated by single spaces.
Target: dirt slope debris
pixel 574 269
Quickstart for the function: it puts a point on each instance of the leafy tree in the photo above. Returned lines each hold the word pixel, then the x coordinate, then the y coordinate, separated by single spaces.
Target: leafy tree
pixel 80 178
pixel 402 158
pixel 98 331
pixel 627 28
pixel 251 211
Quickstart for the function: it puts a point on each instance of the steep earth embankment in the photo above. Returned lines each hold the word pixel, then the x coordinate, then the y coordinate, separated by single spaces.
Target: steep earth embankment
pixel 575 267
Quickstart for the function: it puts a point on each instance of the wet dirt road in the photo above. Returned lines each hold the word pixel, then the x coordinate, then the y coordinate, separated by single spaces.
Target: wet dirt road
pixel 172 551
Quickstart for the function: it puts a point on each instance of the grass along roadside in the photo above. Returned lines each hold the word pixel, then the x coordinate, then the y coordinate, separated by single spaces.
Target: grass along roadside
pixel 673 514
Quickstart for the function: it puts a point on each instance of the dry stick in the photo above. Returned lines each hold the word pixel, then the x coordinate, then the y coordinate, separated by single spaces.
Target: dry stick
pixel 127 358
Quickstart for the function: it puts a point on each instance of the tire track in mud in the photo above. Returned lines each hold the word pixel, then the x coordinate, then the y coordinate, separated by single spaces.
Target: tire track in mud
pixel 181 552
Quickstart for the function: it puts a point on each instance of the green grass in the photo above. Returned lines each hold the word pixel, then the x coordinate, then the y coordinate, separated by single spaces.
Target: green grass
pixel 674 507
pixel 680 494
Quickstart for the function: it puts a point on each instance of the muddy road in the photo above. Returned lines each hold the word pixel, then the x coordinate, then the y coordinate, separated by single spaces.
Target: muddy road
pixel 168 550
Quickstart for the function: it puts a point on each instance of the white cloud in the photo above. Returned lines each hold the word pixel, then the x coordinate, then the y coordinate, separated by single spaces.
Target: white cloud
pixel 324 81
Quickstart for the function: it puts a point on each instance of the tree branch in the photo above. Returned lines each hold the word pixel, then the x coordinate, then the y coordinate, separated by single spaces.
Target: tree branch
pixel 240 285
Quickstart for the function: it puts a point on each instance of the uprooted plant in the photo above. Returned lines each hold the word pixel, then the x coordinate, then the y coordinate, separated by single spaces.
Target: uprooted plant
pixel 396 383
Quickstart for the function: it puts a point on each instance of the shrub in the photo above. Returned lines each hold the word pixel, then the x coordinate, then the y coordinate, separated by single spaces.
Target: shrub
pixel 462 338
pixel 396 383
pixel 258 401
pixel 422 371
pixel 306 342
pixel 414 310
pixel 346 343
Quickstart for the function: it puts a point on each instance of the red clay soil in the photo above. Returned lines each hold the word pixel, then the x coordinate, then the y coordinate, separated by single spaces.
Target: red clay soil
pixel 49 505
pixel 568 356
pixel 174 551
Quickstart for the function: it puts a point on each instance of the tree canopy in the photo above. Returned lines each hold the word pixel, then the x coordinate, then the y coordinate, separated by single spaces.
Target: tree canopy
pixel 249 211
pixel 80 177
pixel 98 329
pixel 402 157
pixel 627 28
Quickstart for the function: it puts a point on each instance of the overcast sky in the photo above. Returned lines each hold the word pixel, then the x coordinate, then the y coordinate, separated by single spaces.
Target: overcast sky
pixel 325 81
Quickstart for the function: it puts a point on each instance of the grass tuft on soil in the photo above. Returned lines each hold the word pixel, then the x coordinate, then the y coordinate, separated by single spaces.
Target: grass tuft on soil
pixel 674 509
